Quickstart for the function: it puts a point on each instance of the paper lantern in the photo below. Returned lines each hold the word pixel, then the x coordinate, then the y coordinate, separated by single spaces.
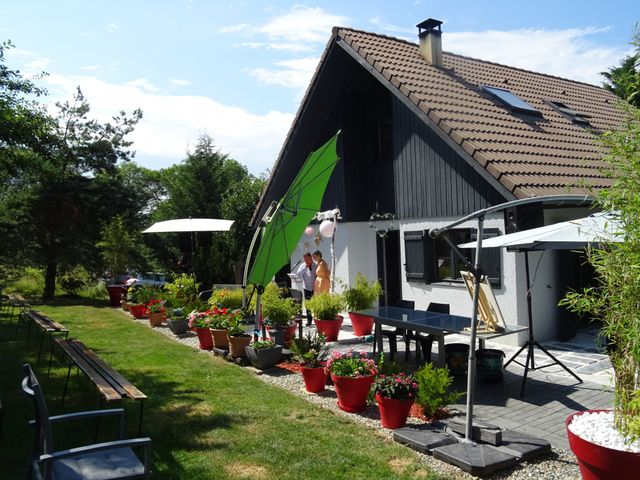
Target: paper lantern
pixel 327 228
pixel 309 230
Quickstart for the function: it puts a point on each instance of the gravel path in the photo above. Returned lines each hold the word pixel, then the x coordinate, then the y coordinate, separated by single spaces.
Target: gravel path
pixel 558 465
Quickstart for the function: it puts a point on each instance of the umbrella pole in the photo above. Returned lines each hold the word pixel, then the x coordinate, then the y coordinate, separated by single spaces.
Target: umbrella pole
pixel 471 375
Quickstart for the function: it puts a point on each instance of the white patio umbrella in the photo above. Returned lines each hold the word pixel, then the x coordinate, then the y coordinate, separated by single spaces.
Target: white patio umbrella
pixel 571 235
pixel 190 225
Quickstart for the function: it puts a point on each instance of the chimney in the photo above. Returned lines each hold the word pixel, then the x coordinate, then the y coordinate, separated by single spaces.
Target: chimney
pixel 430 37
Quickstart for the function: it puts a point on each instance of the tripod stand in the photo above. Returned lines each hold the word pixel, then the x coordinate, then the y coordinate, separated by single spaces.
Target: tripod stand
pixel 531 343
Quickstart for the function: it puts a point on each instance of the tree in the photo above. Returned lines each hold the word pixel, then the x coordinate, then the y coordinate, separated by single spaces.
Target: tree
pixel 209 184
pixel 615 299
pixel 624 80
pixel 54 171
pixel 116 245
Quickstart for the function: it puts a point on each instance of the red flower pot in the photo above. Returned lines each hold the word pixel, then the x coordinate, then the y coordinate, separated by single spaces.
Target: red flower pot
pixel 137 310
pixel 329 328
pixel 597 462
pixel 205 338
pixel 115 294
pixel 352 392
pixel 314 379
pixel 362 324
pixel 393 412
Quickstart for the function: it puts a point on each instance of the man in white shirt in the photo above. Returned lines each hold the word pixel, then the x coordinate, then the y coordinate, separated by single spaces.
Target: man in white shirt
pixel 307 270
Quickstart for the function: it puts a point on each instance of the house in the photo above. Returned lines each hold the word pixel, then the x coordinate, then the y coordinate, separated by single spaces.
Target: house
pixel 431 136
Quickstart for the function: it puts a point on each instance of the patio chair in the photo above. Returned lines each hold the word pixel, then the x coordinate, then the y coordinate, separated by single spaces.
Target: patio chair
pixel 424 343
pixel 398 332
pixel 108 460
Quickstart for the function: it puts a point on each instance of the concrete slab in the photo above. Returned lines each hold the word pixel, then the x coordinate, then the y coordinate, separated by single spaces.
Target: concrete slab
pixel 476 459
pixel 423 439
pixel 523 447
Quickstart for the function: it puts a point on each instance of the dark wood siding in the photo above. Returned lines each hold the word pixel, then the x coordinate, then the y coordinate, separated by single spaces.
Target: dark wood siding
pixel 430 179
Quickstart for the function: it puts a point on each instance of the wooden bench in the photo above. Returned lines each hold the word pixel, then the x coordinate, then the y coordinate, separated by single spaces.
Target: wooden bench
pixel 110 384
pixel 14 301
pixel 47 327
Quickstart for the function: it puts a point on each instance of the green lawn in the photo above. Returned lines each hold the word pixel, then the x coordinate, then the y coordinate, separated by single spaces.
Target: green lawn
pixel 208 419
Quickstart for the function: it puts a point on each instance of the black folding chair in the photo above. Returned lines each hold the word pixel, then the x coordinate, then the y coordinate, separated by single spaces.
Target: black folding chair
pixel 109 460
pixel 424 343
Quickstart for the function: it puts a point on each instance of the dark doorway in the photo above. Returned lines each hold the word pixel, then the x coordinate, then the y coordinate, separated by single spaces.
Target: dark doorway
pixel 394 290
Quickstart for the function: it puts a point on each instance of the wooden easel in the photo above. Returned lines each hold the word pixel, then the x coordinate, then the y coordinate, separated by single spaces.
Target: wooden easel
pixel 491 319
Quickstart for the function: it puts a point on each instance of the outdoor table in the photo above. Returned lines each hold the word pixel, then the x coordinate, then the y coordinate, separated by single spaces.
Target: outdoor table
pixel 436 324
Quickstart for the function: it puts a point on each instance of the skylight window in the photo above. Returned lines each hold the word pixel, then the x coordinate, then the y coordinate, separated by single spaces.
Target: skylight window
pixel 514 103
pixel 571 114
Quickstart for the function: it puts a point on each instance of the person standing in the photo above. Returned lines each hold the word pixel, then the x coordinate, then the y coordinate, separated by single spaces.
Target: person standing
pixel 323 274
pixel 307 271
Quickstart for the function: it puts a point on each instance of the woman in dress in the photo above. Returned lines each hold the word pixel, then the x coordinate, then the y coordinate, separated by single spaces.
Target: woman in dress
pixel 323 274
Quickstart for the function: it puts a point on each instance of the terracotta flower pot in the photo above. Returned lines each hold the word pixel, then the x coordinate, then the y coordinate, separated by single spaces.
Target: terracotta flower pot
pixel 598 462
pixel 137 310
pixel 220 338
pixel 329 328
pixel 237 344
pixel 352 392
pixel 205 338
pixel 155 319
pixel 393 412
pixel 125 305
pixel 362 324
pixel 315 379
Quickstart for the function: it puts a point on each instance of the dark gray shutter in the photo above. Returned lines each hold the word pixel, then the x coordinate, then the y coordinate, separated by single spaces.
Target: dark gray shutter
pixel 418 250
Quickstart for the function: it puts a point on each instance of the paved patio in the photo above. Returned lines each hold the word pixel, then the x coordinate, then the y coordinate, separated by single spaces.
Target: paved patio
pixel 551 394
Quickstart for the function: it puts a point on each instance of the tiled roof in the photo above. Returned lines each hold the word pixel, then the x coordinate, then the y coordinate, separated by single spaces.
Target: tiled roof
pixel 528 155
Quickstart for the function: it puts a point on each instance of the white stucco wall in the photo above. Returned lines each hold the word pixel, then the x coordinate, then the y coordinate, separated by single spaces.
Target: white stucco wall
pixel 356 252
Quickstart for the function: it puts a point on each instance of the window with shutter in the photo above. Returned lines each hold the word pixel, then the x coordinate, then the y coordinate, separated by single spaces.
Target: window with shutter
pixel 414 256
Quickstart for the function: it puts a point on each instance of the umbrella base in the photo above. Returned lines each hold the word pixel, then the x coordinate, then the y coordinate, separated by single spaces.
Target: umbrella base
pixel 475 459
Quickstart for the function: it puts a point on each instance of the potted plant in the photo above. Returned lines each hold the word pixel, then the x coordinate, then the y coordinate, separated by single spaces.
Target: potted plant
pixel 278 312
pixel 219 327
pixel 352 373
pixel 602 441
pixel 433 391
pixel 201 323
pixel 361 297
pixel 134 300
pixel 116 245
pixel 155 312
pixel 263 354
pixel 395 394
pixel 311 352
pixel 237 336
pixel 178 321
pixel 325 308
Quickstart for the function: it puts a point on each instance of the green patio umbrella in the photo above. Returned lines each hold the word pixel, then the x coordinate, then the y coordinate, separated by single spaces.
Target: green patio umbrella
pixel 285 221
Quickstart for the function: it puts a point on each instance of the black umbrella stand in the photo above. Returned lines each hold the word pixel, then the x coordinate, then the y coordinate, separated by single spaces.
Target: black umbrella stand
pixel 531 343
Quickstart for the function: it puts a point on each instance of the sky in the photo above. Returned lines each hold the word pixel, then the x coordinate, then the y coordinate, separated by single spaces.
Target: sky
pixel 238 70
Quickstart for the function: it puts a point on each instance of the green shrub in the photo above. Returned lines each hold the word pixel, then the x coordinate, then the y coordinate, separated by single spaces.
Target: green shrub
pixel 73 280
pixel 433 389
pixel 226 298
pixel 310 350
pixel 325 306
pixel 363 295
pixel 97 290
pixel 30 283
pixel 183 290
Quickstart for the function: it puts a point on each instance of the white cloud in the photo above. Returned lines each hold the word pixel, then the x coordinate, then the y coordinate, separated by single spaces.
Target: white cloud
pixel 172 123
pixel 289 47
pixel 112 27
pixel 91 68
pixel 234 28
pixel 294 74
pixel 179 82
pixel 567 53
pixel 302 24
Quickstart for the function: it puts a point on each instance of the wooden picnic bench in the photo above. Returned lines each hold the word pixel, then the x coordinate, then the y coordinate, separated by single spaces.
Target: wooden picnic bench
pixel 13 301
pixel 111 385
pixel 47 326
